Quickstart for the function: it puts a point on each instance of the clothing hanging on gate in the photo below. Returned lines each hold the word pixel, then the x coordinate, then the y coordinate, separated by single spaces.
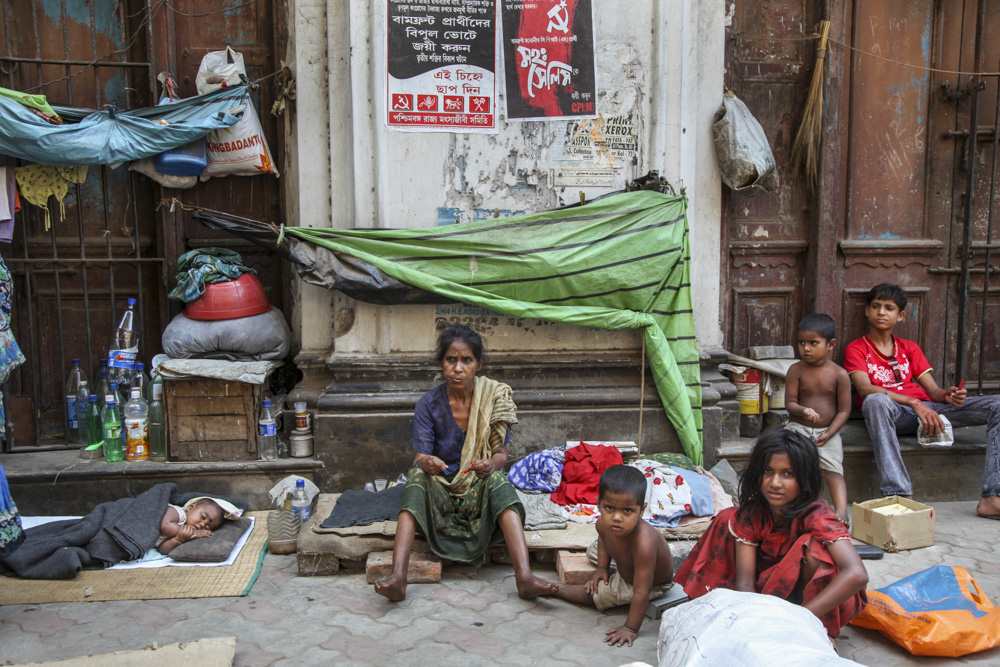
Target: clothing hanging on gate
pixel 38 182
pixel 10 203
pixel 10 354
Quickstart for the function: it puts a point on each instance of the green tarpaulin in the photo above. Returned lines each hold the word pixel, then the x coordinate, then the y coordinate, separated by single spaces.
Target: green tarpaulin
pixel 622 262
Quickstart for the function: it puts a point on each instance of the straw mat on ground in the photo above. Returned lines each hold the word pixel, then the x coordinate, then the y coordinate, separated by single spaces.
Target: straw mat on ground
pixel 148 584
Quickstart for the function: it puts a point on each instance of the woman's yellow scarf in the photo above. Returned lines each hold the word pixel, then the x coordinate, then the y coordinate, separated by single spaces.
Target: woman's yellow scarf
pixel 491 414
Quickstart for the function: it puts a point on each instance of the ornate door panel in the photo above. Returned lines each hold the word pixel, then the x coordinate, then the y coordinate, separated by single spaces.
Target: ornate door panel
pixel 768 66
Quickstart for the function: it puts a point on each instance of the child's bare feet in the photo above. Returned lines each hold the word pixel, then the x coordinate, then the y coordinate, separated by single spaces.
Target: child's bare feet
pixel 534 587
pixel 392 587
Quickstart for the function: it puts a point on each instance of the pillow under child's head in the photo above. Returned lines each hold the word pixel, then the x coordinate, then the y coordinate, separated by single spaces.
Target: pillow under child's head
pixel 213 549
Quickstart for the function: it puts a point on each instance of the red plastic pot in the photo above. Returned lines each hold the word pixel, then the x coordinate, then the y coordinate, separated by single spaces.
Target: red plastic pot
pixel 229 300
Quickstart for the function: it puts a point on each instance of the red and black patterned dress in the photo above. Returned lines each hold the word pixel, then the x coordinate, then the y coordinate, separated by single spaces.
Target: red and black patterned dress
pixel 712 563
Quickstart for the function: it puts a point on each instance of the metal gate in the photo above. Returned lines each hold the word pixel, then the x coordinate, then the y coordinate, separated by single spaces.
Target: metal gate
pixel 72 279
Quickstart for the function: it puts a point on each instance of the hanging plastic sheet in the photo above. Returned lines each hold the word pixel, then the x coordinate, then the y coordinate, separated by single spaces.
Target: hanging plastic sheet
pixel 619 263
pixel 89 137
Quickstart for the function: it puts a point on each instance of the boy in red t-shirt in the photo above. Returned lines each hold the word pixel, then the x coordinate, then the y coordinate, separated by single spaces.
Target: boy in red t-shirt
pixel 897 392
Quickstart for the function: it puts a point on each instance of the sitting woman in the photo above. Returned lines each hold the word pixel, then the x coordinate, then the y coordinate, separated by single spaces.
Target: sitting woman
pixel 457 493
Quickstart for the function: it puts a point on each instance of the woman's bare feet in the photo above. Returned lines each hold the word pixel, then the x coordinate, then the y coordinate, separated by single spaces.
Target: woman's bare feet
pixel 533 587
pixel 989 507
pixel 392 587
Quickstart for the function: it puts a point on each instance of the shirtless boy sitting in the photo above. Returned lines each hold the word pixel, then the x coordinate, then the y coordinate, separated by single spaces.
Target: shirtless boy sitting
pixel 818 400
pixel 645 566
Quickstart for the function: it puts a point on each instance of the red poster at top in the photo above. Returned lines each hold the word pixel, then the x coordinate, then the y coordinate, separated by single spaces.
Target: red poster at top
pixel 548 52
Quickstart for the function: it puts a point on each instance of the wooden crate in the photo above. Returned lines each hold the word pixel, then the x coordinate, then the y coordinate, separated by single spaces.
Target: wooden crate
pixel 211 420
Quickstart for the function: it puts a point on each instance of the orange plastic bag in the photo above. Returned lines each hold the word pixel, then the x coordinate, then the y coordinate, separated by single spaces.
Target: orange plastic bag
pixel 940 611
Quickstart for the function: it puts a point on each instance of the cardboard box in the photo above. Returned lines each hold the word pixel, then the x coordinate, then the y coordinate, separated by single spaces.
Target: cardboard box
pixel 894 532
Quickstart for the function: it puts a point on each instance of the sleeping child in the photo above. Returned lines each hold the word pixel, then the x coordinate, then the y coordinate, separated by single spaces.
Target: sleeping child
pixel 118 531
pixel 198 518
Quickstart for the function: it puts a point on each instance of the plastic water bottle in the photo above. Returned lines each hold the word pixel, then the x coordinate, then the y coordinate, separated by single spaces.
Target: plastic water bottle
pixel 113 396
pixel 140 380
pixel 124 348
pixel 157 421
pixel 267 432
pixel 82 401
pixel 300 501
pixel 76 379
pixel 103 388
pixel 95 427
pixel 113 450
pixel 136 427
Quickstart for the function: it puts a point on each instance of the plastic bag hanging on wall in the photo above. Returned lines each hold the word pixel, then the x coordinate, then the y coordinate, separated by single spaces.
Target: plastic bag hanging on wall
pixel 745 159
pixel 219 69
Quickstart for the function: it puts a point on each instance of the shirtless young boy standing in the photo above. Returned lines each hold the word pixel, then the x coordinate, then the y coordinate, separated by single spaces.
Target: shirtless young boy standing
pixel 818 400
pixel 642 555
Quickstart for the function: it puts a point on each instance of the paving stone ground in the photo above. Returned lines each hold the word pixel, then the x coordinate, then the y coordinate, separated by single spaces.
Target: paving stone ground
pixel 473 617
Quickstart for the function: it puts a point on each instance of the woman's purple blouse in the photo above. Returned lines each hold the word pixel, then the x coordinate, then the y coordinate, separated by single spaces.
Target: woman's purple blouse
pixel 435 431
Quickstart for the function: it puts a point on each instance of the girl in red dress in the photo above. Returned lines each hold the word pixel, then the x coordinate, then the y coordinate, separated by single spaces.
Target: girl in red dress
pixel 782 539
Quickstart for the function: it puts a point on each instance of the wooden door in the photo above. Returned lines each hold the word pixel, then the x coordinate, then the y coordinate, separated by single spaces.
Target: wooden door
pixel 901 179
pixel 891 198
pixel 766 238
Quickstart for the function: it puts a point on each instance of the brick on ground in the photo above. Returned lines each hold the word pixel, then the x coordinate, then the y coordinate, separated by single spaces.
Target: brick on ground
pixel 574 567
pixel 423 568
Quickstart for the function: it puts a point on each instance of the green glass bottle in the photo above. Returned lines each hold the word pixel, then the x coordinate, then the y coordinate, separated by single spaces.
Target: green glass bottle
pixel 114 449
pixel 94 425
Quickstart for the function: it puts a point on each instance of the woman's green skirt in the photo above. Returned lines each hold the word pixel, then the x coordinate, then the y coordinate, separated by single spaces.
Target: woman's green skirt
pixel 460 529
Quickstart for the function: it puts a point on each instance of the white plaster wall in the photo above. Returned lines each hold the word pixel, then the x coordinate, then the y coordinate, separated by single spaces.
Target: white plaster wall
pixel 307 174
pixel 669 78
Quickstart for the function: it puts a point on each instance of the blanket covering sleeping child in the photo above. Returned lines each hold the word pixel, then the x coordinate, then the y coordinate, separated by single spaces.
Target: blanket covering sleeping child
pixel 113 532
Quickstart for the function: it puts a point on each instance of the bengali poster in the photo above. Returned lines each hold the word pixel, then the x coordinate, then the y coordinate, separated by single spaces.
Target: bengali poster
pixel 548 58
pixel 441 65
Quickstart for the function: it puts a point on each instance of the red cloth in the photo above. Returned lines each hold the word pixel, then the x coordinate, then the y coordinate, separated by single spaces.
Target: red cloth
pixel 582 473
pixel 862 355
pixel 712 563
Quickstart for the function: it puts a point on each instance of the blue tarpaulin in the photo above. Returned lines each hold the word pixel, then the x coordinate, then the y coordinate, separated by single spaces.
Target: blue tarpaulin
pixel 107 137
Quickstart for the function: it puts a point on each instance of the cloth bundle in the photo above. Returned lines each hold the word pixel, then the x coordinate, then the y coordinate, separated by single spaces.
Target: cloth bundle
pixel 540 472
pixel 672 493
pixel 582 473
pixel 205 265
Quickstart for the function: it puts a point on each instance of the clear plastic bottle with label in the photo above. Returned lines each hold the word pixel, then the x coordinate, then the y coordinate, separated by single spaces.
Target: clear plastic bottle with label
pixel 267 433
pixel 74 433
pixel 136 427
pixel 300 501
pixel 124 348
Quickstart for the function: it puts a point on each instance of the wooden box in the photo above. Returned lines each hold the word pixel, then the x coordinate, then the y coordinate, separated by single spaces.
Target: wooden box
pixel 211 420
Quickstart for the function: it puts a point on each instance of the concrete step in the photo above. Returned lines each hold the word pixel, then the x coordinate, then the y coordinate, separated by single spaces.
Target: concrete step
pixel 60 483
pixel 938 474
